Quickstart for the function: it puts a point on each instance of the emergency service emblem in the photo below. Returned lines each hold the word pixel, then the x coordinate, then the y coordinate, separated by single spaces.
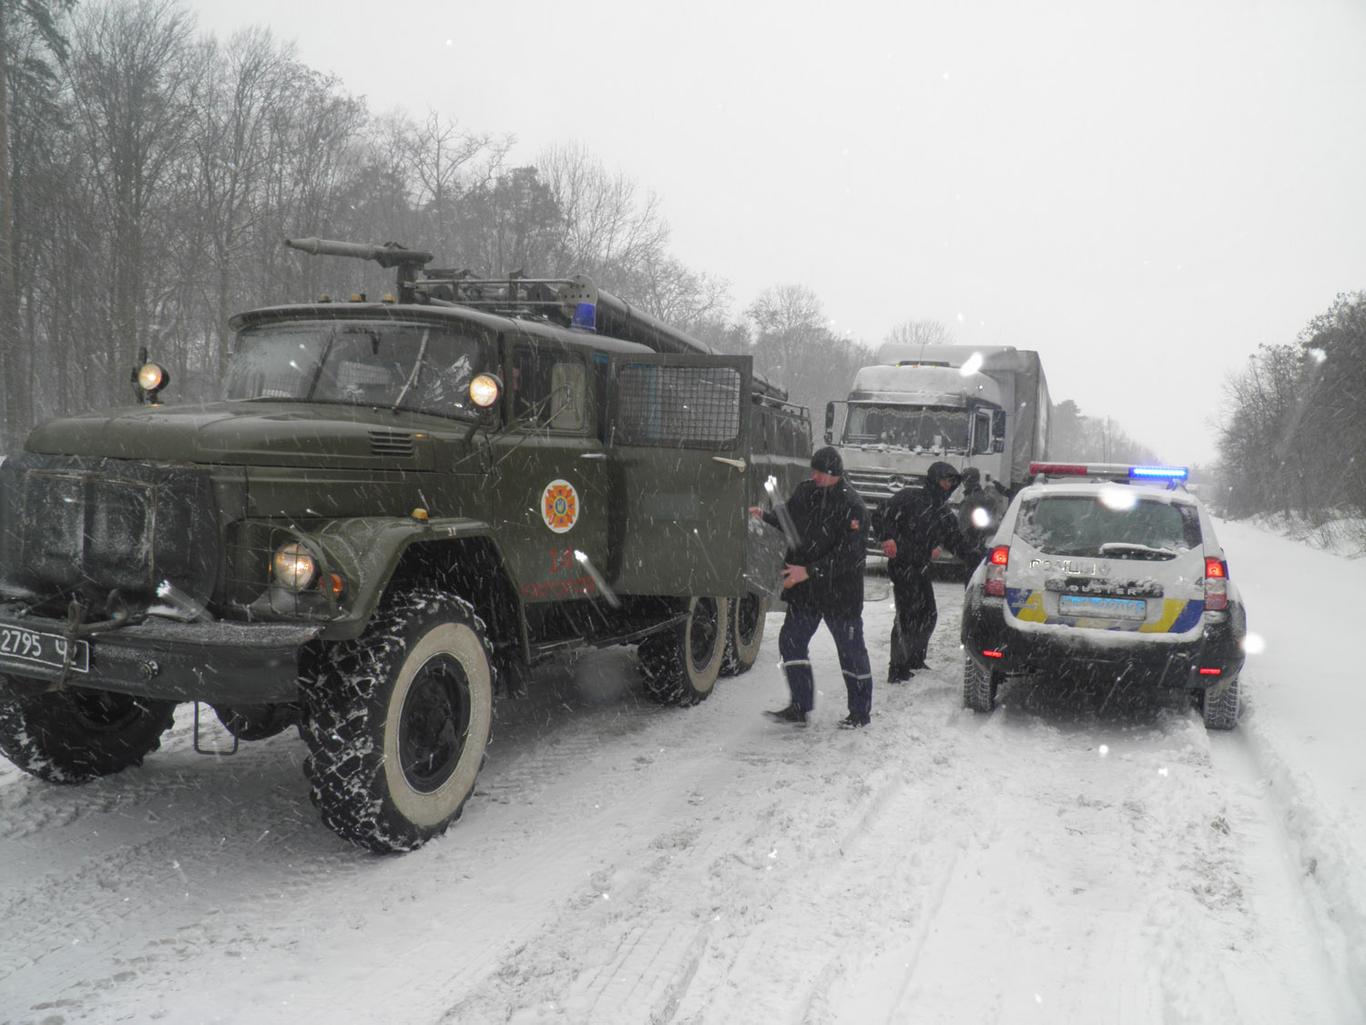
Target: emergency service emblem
pixel 559 506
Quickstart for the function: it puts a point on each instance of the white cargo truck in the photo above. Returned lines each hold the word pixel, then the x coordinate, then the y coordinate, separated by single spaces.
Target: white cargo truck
pixel 986 407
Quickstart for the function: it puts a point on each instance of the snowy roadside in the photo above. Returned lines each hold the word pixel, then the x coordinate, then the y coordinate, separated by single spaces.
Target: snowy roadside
pixel 1339 535
pixel 1304 707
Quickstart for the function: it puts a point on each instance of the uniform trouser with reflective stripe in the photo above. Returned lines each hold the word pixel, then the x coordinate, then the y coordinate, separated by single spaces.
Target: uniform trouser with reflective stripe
pixel 793 645
pixel 916 616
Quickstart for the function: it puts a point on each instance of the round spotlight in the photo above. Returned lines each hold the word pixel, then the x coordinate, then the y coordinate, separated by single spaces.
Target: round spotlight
pixel 151 378
pixel 484 390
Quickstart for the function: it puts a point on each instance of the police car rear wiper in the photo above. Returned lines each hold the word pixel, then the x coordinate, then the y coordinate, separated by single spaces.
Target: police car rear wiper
pixel 1131 548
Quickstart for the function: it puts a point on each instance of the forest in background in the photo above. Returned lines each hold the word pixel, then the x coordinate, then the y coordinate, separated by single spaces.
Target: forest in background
pixel 148 173
pixel 1293 439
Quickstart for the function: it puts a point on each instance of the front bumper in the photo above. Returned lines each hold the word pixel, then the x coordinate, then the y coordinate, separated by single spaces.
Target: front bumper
pixel 1066 651
pixel 220 663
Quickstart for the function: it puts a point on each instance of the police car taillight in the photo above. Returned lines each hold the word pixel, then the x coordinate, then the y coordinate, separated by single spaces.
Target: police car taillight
pixel 1216 584
pixel 995 584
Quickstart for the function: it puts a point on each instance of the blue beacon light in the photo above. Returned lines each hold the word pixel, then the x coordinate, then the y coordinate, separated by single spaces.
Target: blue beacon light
pixel 1170 473
pixel 585 317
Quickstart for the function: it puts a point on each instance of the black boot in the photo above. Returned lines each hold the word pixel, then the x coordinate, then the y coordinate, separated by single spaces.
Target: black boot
pixel 791 714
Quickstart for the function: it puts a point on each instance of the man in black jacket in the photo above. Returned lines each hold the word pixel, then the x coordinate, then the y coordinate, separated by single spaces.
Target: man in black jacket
pixel 915 523
pixel 823 580
pixel 980 512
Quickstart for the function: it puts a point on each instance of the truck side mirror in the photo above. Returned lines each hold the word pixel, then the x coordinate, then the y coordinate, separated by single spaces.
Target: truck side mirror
pixel 829 423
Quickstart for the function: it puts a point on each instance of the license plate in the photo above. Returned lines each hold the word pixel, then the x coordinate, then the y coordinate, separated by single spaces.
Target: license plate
pixel 43 648
pixel 1103 608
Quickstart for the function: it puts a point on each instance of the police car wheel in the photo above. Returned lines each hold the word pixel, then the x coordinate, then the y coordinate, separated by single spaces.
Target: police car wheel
pixel 979 686
pixel 78 734
pixel 679 666
pixel 746 633
pixel 1219 706
pixel 397 722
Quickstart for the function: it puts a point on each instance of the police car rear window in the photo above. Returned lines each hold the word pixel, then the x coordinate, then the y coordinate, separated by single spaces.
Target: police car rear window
pixel 1111 525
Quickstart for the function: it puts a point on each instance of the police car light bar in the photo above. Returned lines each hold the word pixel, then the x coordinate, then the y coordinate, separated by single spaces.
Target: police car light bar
pixel 1110 471
pixel 1159 472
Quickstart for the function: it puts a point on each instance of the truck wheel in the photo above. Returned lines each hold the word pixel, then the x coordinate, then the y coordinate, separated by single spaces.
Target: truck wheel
pixel 746 633
pixel 76 735
pixel 397 721
pixel 256 722
pixel 679 666
pixel 979 686
pixel 1219 707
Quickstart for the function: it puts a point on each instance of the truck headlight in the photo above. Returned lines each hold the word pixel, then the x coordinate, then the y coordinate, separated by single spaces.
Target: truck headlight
pixel 294 566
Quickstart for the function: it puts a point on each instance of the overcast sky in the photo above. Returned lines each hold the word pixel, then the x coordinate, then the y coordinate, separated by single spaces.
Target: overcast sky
pixel 1142 191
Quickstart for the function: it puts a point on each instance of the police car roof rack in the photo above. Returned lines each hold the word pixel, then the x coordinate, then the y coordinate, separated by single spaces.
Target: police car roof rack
pixel 1118 473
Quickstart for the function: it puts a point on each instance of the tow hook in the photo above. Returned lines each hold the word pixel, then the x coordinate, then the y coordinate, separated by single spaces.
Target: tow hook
pixel 200 749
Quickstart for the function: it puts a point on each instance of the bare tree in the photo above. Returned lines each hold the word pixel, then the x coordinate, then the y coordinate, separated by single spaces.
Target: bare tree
pixel 132 78
pixel 919 332
pixel 794 346
pixel 31 39
pixel 510 223
pixel 663 286
pixel 610 228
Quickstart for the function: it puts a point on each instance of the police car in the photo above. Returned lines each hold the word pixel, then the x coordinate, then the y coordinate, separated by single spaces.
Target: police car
pixel 1111 573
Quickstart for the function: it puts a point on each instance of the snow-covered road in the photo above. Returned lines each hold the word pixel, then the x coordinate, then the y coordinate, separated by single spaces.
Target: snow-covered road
pixel 621 863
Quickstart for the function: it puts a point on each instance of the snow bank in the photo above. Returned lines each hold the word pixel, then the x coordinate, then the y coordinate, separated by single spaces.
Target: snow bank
pixel 1305 707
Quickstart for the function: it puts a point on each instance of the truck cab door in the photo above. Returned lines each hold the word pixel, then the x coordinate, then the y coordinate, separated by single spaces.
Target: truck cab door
pixel 679 441
pixel 547 488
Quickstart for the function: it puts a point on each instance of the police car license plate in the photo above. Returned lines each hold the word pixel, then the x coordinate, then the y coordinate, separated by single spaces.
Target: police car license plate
pixel 17 644
pixel 1105 608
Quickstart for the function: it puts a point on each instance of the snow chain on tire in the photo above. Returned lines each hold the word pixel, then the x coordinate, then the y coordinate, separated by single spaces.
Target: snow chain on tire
pixel 679 666
pixel 76 735
pixel 397 721
pixel 745 636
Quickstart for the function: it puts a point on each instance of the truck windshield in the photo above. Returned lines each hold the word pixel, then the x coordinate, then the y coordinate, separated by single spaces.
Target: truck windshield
pixel 423 367
pixel 1087 525
pixel 918 428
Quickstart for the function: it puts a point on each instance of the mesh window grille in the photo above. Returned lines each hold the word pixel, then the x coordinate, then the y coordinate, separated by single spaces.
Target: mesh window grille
pixel 678 407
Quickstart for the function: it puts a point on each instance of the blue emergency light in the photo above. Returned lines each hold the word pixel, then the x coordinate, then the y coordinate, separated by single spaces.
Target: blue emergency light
pixel 1168 473
pixel 585 317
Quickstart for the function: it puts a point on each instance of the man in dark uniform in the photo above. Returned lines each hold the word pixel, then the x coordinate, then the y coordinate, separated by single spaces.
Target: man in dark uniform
pixel 980 512
pixel 915 523
pixel 823 580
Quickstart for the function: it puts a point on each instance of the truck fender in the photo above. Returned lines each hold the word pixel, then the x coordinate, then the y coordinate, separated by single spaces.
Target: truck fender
pixel 375 554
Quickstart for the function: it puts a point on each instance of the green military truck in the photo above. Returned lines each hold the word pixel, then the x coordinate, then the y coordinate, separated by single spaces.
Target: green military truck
pixel 396 509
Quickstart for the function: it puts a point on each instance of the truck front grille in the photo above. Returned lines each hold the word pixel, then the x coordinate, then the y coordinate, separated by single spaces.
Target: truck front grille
pixel 74 526
pixel 879 487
